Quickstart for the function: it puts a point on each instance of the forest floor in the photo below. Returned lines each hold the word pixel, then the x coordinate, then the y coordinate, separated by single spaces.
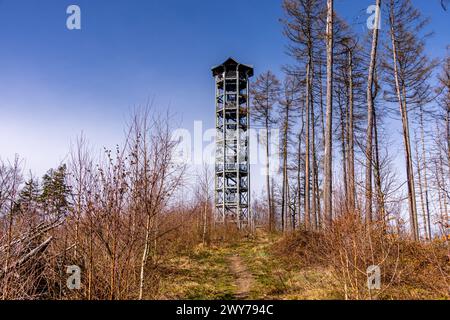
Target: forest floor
pixel 246 269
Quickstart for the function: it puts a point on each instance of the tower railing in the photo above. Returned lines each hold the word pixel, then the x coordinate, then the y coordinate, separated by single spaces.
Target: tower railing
pixel 232 169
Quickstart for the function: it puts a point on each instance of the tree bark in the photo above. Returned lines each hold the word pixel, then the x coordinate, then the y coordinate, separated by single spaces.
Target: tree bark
pixel 269 198
pixel 329 118
pixel 425 173
pixel 351 136
pixel 401 96
pixel 307 148
pixel 284 197
pixel 421 191
pixel 314 207
pixel 369 132
pixel 381 212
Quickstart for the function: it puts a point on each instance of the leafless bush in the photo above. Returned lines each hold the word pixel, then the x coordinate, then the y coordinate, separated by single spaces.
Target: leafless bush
pixel 119 225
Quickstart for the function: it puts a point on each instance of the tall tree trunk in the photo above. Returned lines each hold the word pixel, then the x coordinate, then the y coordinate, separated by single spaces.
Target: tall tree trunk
pixel 328 179
pixel 307 147
pixel 317 190
pixel 269 198
pixel 272 197
pixel 370 99
pixel 314 208
pixel 401 96
pixel 441 182
pixel 299 165
pixel 322 117
pixel 443 186
pixel 350 138
pixel 344 150
pixel 442 216
pixel 381 212
pixel 285 187
pixel 288 202
pixel 425 173
pixel 447 129
pixel 421 191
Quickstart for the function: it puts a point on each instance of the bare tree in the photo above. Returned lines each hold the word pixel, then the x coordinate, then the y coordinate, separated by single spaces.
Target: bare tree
pixel 377 165
pixel 288 105
pixel 370 113
pixel 407 77
pixel 10 180
pixel 443 91
pixel 265 92
pixel 205 185
pixel 158 176
pixel 421 187
pixel 303 27
pixel 328 175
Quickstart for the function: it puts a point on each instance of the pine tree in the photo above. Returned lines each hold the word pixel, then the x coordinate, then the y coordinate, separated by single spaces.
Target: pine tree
pixel 55 192
pixel 28 202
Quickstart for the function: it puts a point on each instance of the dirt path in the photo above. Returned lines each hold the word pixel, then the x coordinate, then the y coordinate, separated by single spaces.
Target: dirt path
pixel 243 277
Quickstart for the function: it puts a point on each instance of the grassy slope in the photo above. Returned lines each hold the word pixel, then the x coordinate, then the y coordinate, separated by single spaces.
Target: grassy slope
pixel 205 274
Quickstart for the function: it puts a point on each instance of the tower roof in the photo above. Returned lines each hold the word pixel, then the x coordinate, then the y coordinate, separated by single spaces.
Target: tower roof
pixel 232 63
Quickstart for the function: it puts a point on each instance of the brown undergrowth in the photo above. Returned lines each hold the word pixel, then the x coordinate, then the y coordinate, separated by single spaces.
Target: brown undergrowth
pixel 409 269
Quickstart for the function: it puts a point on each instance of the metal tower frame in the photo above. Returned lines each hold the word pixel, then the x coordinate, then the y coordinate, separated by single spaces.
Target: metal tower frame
pixel 232 169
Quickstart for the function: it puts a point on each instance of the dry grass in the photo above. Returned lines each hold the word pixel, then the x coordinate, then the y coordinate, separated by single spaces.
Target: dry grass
pixel 409 270
pixel 202 274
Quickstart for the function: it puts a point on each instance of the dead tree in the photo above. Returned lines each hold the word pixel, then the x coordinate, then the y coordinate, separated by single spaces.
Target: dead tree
pixel 328 170
pixel 370 114
pixel 407 76
pixel 205 184
pixel 158 176
pixel 265 92
pixel 288 105
pixel 303 27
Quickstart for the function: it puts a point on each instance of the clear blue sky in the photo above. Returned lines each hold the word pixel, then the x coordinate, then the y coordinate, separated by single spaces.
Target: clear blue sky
pixel 54 83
